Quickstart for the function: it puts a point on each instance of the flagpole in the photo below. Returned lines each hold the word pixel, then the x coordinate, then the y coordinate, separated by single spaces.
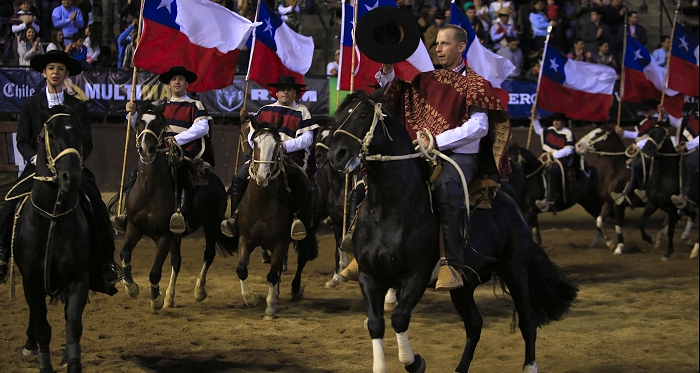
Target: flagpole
pixel 622 73
pixel 537 90
pixel 668 55
pixel 354 46
pixel 128 121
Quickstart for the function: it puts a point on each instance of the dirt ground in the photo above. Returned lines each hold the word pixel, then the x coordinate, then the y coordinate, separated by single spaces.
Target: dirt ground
pixel 633 314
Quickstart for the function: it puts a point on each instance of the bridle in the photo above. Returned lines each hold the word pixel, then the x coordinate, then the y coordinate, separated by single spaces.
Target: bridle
pixel 157 136
pixel 589 140
pixel 660 143
pixel 275 164
pixel 50 159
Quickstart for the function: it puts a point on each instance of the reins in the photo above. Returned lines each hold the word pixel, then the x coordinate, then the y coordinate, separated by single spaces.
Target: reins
pixel 275 167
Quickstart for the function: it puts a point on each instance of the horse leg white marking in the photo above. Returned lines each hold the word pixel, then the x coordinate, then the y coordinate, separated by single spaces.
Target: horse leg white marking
pixel 530 368
pixel 390 300
pixel 406 356
pixel 273 293
pixel 200 291
pixel 618 229
pixel 157 303
pixel 686 231
pixel 379 365
pixel 170 293
pixel 619 249
pixel 343 260
pixel 659 237
pixel 131 288
pixel 251 300
pixel 694 253
pixel 333 282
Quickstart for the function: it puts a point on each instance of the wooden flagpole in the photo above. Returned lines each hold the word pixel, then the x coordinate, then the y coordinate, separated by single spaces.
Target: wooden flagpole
pixel 668 56
pixel 537 90
pixel 622 73
pixel 352 89
pixel 245 90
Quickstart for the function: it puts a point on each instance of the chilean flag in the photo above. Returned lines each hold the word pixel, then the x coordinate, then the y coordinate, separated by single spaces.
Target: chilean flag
pixel 580 90
pixel 683 65
pixel 200 35
pixel 491 66
pixel 278 50
pixel 644 78
pixel 365 69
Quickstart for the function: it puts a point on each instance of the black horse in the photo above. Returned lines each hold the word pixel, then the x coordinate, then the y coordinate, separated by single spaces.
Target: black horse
pixel 662 183
pixel 581 188
pixel 52 241
pixel 396 240
pixel 151 201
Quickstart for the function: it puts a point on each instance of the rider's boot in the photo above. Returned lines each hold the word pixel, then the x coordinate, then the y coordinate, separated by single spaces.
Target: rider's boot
pixel 681 200
pixel 356 196
pixel 119 221
pixel 177 220
pixel 351 272
pixel 229 227
pixel 547 204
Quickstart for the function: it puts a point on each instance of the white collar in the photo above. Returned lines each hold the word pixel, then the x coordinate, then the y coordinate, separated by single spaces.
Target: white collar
pixel 54 99
pixel 183 98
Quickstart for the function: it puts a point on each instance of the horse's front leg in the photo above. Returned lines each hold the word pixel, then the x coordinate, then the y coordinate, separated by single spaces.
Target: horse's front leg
pixel 175 263
pixel 648 210
pixel 374 297
pixel 200 291
pixel 619 212
pixel 41 330
pixel 244 250
pixel 132 238
pixel 411 293
pixel 673 218
pixel 163 245
pixel 75 305
pixel 277 262
pixel 463 301
pixel 341 260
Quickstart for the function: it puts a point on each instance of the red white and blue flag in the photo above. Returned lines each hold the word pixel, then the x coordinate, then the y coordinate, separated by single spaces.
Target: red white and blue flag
pixel 365 69
pixel 644 78
pixel 580 90
pixel 200 35
pixel 491 66
pixel 683 64
pixel 277 50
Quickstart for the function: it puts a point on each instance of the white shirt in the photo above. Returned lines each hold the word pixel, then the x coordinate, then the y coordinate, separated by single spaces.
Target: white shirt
pixel 197 130
pixel 463 139
pixel 634 134
pixel 22 26
pixel 54 99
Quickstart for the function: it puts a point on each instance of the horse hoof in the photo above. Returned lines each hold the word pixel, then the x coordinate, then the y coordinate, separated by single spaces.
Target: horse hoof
pixel 270 314
pixel 132 289
pixel 26 352
pixel 157 304
pixel 332 283
pixel 530 368
pixel 389 307
pixel 665 258
pixel 418 365
pixel 251 300
pixel 618 250
pixel 365 324
pixel 200 295
pixel 299 295
pixel 169 303
pixel 694 253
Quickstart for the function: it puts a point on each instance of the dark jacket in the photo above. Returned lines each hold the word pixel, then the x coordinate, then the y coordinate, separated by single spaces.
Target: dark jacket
pixel 640 30
pixel 31 123
pixel 588 35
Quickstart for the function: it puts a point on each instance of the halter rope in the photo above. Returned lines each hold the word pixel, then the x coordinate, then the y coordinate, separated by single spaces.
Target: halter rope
pixel 274 171
pixel 50 159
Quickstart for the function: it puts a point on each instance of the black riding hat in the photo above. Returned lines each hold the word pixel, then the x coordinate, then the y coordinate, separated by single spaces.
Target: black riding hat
pixel 39 62
pixel 558 116
pixel 649 104
pixel 387 34
pixel 286 81
pixel 165 77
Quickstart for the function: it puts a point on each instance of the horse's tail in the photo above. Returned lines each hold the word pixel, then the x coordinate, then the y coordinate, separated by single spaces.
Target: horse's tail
pixel 552 290
pixel 226 246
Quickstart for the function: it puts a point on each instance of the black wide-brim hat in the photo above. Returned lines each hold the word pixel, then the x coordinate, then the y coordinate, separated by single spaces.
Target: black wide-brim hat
pixel 649 104
pixel 558 116
pixel 387 34
pixel 286 81
pixel 165 77
pixel 39 62
pixel 17 3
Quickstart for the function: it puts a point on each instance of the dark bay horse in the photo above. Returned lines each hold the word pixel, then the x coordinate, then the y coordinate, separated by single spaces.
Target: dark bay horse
pixel 662 183
pixel 52 241
pixel 265 215
pixel 396 240
pixel 582 189
pixel 150 203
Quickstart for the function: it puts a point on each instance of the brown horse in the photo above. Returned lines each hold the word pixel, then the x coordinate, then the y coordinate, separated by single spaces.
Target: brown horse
pixel 265 215
pixel 152 200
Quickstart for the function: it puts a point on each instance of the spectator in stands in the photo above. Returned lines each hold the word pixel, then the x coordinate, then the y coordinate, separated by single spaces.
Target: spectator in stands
pixel 633 29
pixel 92 41
pixel 502 29
pixel 124 40
pixel 603 57
pixel 614 16
pixel 20 21
pixel 6 11
pixel 68 18
pixel 290 12
pixel 534 73
pixel 502 4
pixel 580 16
pixel 513 54
pixel 593 32
pixel 476 23
pixel 110 28
pixel 426 18
pixel 482 12
pixel 430 37
pixel 56 40
pixel 552 10
pixel 29 46
pixel 333 67
pixel 128 62
pixel 661 53
pixel 540 22
pixel 578 52
pixel 77 49
pixel 44 10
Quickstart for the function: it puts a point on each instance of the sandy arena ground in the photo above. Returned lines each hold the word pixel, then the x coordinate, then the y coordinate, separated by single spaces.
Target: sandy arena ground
pixel 633 314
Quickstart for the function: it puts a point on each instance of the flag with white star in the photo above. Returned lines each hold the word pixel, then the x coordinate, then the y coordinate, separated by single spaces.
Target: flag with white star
pixel 683 63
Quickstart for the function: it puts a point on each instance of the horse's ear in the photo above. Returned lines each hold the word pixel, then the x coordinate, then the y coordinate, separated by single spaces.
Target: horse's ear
pixel 378 95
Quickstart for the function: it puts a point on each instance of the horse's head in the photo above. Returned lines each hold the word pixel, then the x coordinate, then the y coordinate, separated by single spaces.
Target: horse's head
pixel 267 152
pixel 587 142
pixel 657 141
pixel 150 126
pixel 357 117
pixel 61 154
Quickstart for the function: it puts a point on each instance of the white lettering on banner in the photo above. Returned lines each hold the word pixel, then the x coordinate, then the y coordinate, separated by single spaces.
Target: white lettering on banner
pixel 97 91
pixel 15 90
pixel 525 98
pixel 117 93
pixel 513 99
pixel 521 98
pixel 92 91
pixel 309 96
pixel 259 94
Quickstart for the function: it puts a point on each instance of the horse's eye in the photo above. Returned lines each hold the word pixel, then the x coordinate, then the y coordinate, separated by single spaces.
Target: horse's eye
pixel 363 115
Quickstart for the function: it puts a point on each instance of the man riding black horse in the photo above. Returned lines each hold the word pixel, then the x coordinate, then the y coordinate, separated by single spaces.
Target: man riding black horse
pixel 688 145
pixel 297 133
pixel 56 66
pixel 189 127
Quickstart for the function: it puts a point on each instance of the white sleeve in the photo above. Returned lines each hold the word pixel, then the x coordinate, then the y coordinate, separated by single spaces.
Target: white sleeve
pixel 300 143
pixel 134 116
pixel 629 134
pixel 384 79
pixel 18 28
pixel 198 130
pixel 673 121
pixel 640 144
pixel 692 144
pixel 563 152
pixel 250 136
pixel 537 126
pixel 476 127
